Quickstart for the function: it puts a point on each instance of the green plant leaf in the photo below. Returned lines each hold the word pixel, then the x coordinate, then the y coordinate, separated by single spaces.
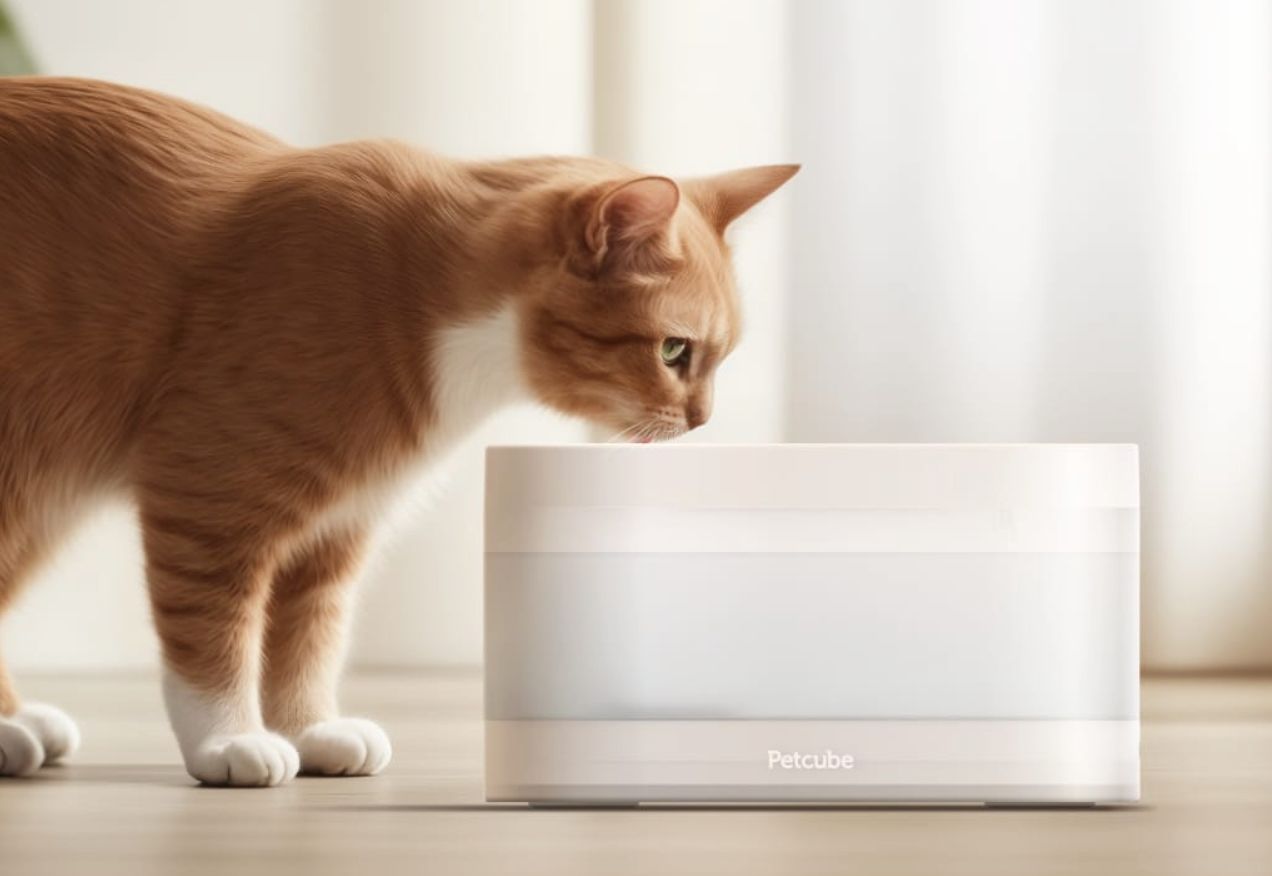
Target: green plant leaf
pixel 15 60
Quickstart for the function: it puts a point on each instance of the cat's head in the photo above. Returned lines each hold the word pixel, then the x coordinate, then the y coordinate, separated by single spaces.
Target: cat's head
pixel 629 330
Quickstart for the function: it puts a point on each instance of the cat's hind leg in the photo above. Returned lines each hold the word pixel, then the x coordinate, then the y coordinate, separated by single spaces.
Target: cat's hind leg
pixel 31 734
pixel 304 649
pixel 21 751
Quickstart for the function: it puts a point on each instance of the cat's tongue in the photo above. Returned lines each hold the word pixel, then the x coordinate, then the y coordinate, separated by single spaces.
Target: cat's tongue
pixel 644 440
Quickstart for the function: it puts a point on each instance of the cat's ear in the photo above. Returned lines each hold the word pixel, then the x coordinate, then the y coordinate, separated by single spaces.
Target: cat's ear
pixel 627 225
pixel 726 196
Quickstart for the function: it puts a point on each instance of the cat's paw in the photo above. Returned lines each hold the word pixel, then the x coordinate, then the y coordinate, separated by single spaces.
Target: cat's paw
pixel 244 760
pixel 344 747
pixel 54 728
pixel 20 750
pixel 37 734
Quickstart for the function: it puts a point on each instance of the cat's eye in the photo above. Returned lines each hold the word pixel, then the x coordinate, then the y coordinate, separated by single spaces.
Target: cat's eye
pixel 675 351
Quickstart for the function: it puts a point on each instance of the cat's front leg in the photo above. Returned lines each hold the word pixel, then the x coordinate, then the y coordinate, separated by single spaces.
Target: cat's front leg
pixel 304 650
pixel 208 586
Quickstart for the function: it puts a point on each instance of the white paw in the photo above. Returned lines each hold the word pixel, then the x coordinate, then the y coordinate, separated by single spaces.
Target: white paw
pixel 344 747
pixel 20 751
pixel 53 727
pixel 244 760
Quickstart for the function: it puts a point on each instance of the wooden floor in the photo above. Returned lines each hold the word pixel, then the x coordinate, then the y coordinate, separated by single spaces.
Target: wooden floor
pixel 125 805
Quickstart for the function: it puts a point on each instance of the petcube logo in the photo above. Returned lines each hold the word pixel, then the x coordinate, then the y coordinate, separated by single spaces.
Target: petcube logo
pixel 796 760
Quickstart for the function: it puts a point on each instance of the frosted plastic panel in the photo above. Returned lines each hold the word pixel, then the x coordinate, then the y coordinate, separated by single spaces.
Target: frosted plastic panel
pixel 787 476
pixel 639 529
pixel 851 635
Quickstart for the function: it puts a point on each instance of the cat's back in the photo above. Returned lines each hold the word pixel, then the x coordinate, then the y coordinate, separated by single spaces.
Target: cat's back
pixel 83 120
pixel 101 187
pixel 77 153
pixel 107 174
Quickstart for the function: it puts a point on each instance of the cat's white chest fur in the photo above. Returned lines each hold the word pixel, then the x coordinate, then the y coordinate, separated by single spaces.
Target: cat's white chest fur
pixel 476 371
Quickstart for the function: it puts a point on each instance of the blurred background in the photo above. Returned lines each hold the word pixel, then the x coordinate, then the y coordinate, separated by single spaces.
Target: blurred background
pixel 1018 220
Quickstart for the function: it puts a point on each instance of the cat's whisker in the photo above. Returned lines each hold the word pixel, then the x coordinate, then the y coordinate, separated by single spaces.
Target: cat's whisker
pixel 624 434
pixel 653 432
pixel 616 436
pixel 640 431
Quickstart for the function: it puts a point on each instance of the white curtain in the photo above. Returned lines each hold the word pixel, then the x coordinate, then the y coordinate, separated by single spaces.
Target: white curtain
pixel 1051 220
pixel 1019 220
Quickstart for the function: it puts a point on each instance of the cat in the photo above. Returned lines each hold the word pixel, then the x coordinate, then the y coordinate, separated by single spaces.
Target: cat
pixel 257 343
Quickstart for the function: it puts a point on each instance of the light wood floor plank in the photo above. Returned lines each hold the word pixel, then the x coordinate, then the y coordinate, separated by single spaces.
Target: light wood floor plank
pixel 124 806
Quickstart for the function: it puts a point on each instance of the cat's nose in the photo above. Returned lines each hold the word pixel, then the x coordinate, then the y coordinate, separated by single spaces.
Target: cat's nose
pixel 696 414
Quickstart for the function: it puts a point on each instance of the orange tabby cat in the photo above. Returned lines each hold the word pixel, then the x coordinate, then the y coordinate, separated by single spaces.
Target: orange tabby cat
pixel 258 342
